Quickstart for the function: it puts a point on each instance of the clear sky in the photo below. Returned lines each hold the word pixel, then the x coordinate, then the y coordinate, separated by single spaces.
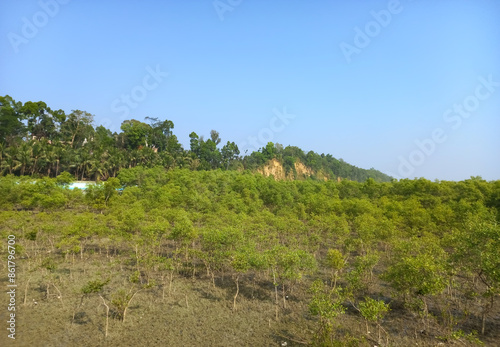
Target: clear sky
pixel 411 88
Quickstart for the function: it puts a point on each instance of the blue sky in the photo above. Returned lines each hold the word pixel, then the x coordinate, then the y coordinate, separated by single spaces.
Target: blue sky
pixel 411 88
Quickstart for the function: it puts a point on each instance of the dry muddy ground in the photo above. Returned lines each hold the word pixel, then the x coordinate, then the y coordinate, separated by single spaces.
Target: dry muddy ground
pixel 194 313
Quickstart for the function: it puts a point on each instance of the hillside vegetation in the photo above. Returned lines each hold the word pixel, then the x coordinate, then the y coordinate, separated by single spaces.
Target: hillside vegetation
pixel 225 258
pixel 37 140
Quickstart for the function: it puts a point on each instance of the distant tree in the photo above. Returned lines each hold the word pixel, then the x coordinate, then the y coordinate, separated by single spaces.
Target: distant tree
pixel 195 144
pixel 136 133
pixel 161 131
pixel 77 126
pixel 104 138
pixel 269 151
pixel 240 263
pixel 287 266
pixel 95 287
pixel 210 155
pixel 214 136
pixel 42 121
pixel 229 153
pixel 11 126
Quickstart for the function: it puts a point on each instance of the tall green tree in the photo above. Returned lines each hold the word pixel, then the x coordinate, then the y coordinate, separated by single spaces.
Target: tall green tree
pixel 42 121
pixel 136 133
pixel 77 127
pixel 229 153
pixel 11 126
pixel 161 131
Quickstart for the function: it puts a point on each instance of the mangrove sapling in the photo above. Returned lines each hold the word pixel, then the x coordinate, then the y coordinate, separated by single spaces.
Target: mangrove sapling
pixel 166 264
pixel 287 265
pixel 258 263
pixel 121 301
pixel 373 311
pixel 419 273
pixel 217 247
pixel 326 303
pixel 476 247
pixel 240 265
pixel 183 231
pixel 336 261
pixel 92 287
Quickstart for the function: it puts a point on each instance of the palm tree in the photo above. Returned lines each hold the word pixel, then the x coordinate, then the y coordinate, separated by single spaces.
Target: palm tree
pixel 59 152
pixel 115 160
pixel 24 156
pixel 167 160
pixel 74 159
pixel 86 162
pixel 95 169
pixel 98 164
pixel 105 165
pixel 148 157
pixel 132 158
pixel 191 162
pixel 38 152
pixel 50 158
pixel 10 162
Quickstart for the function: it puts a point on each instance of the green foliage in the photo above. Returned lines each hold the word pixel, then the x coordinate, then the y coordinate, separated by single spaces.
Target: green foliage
pixel 361 275
pixel 335 260
pixel 10 120
pixel 94 196
pixel 37 140
pixel 136 133
pixel 476 249
pixel 183 229
pixel 435 244
pixel 229 153
pixel 290 264
pixel 94 286
pixel 135 277
pixel 120 301
pixel 110 188
pixel 49 264
pixel 65 178
pixel 373 310
pixel 461 335
pixel 326 302
pixel 31 235
pixel 419 268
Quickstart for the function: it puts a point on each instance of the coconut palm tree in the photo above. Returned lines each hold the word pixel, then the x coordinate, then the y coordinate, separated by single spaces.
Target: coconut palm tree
pixel 24 156
pixel 10 162
pixel 115 160
pixel 59 152
pixel 50 159
pixel 38 152
pixel 83 162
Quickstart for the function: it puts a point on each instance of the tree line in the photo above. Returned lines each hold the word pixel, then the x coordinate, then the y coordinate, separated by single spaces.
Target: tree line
pixel 37 140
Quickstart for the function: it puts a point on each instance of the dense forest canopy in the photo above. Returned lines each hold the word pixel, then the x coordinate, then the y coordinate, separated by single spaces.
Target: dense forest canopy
pixel 37 140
